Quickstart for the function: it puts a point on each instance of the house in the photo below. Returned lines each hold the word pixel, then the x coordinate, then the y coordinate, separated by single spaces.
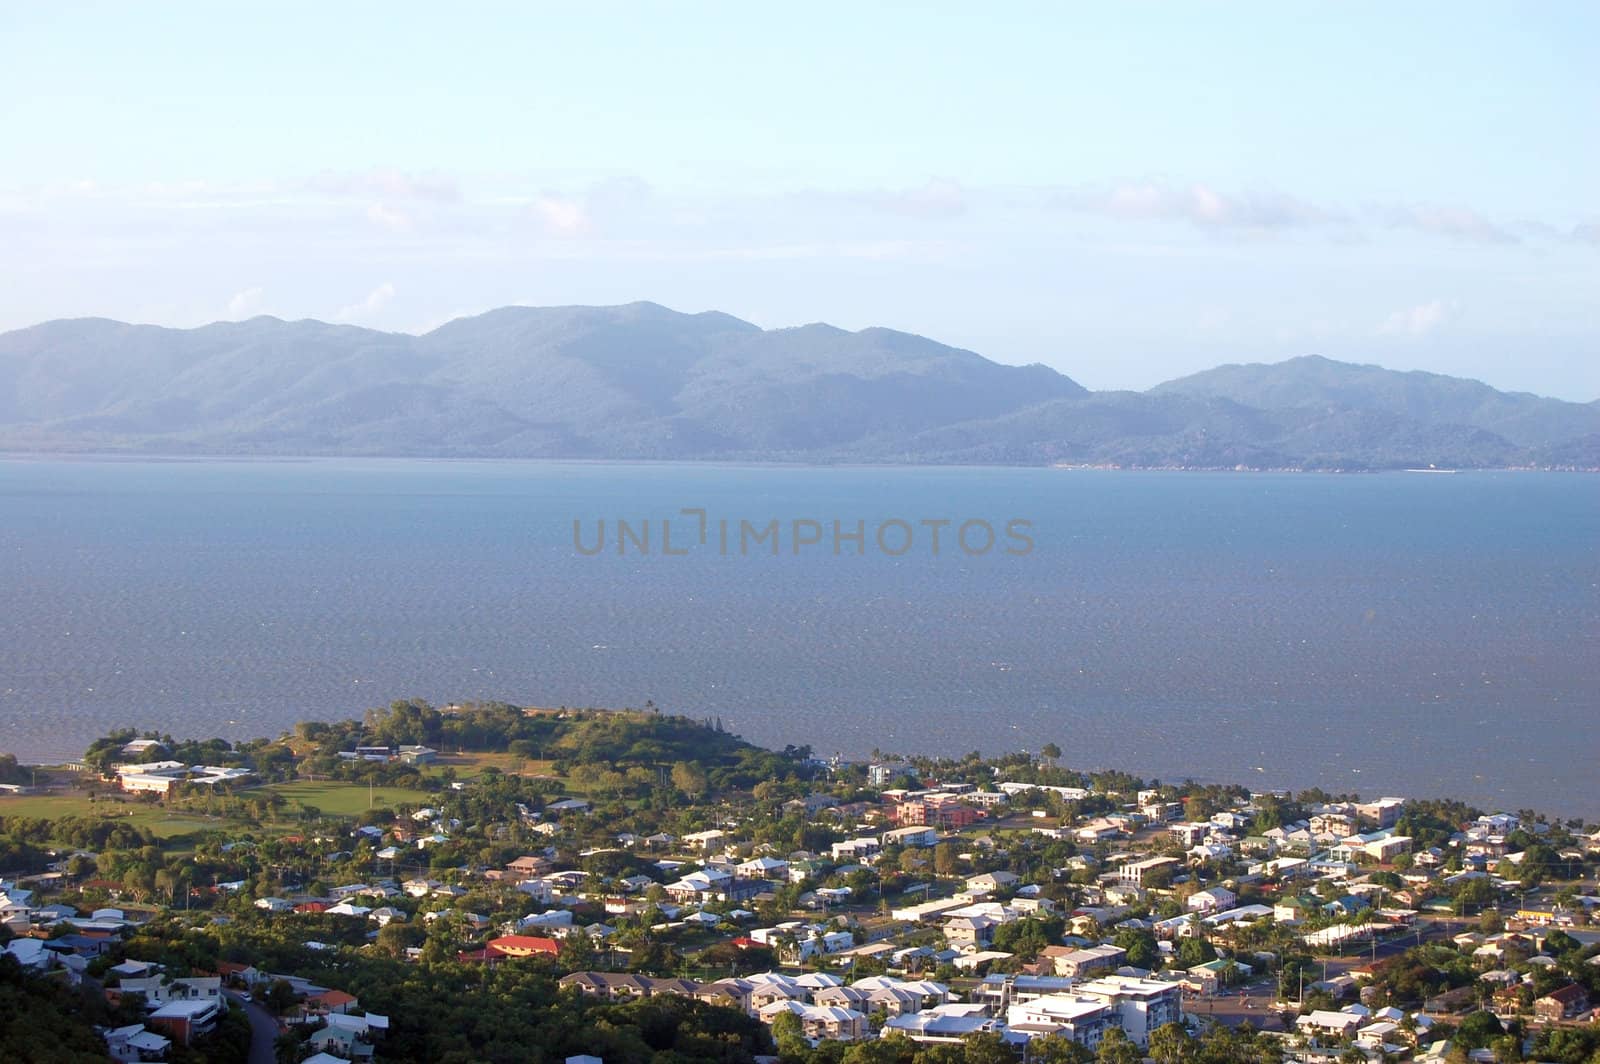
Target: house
pixel 763 995
pixel 319 1004
pixel 706 841
pixel 849 997
pixel 970 932
pixel 624 986
pixel 1347 905
pixel 703 887
pixel 734 993
pixel 911 836
pixel 134 1043
pixel 1100 829
pixel 989 882
pixel 1341 1024
pixel 141 747
pixel 987 799
pixel 522 946
pixel 763 868
pixel 529 865
pixel 184 1020
pixel 817 1022
pixel 1292 910
pixel 944 1025
pixel 345 1043
pixel 1564 1004
pixel 808 941
pixel 1133 872
pixel 238 974
pixel 856 849
pixel 31 953
pixel 810 804
pixel 1212 899
pixel 1386 848
pixel 1074 963
pixel 1082 1019
pixel 369 1025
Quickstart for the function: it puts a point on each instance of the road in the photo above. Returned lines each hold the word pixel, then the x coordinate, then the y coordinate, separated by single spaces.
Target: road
pixel 1252 1003
pixel 263 1030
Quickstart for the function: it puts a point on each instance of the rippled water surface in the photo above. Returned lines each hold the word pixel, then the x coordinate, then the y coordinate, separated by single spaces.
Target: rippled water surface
pixel 1408 634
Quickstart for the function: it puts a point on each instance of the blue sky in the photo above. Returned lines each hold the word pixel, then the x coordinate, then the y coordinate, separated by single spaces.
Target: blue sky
pixel 1126 192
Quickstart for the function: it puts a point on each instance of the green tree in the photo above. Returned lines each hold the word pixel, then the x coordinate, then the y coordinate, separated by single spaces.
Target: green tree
pixel 1117 1048
pixel 1058 1049
pixel 1171 1044
pixel 280 996
pixel 790 1037
pixel 690 778
pixel 986 1047
pixel 1141 946
pixel 1195 950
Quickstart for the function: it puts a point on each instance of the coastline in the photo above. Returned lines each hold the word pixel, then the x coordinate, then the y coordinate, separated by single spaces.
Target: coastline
pixel 731 462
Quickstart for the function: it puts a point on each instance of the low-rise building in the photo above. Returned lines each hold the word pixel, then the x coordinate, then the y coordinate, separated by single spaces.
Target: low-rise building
pixel 1564 1004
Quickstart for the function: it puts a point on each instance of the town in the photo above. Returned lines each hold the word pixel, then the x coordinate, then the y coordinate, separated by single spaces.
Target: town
pixel 487 882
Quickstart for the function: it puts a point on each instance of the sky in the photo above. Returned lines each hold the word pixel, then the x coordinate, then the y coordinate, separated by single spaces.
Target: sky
pixel 1125 192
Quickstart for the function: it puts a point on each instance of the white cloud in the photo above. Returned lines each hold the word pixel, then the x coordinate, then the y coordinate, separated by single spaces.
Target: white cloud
pixel 385 184
pixel 561 215
pixel 868 250
pixel 1588 232
pixel 375 301
pixel 1456 223
pixel 1197 204
pixel 1418 320
pixel 245 304
pixel 940 198
pixel 388 218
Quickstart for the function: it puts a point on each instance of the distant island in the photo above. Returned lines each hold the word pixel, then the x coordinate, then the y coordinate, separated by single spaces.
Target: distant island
pixel 645 382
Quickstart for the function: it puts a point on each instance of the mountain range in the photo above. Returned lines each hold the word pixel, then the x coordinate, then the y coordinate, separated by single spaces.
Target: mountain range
pixel 644 382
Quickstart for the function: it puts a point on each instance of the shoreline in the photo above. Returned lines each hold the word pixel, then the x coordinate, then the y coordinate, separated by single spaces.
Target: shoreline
pixel 1208 779
pixel 317 457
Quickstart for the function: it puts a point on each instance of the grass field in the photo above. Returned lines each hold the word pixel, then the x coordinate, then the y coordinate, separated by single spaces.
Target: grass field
pixel 469 765
pixel 163 822
pixel 338 798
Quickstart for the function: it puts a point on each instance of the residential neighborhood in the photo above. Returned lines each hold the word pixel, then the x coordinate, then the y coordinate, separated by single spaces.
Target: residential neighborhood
pixel 1003 905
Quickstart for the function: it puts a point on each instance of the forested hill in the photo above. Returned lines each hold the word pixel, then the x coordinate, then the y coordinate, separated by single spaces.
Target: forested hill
pixel 642 381
pixel 613 751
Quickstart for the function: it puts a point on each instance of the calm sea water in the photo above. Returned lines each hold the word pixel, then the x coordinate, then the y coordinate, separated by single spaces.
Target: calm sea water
pixel 1411 634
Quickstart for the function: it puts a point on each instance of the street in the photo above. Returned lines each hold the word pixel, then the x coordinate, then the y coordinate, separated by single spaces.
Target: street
pixel 263 1030
pixel 1252 1002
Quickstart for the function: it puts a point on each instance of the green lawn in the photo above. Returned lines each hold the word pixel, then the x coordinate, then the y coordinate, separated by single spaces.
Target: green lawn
pixel 339 798
pixel 163 822
pixel 470 765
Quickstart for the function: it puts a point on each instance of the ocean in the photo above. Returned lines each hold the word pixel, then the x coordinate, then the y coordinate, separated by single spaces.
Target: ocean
pixel 1410 634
